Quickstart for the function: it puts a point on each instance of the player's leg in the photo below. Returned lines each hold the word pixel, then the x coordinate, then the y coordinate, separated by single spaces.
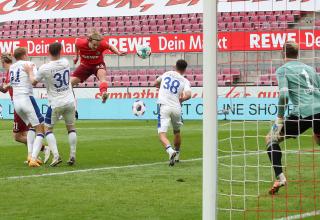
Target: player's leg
pixel 316 129
pixel 80 75
pixel 52 116
pixel 292 127
pixel 176 121
pixel 101 73
pixel 36 120
pixel 19 113
pixel 68 116
pixel 20 137
pixel 177 144
pixel 163 124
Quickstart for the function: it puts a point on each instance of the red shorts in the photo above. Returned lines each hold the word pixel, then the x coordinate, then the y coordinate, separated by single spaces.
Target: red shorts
pixel 18 124
pixel 83 72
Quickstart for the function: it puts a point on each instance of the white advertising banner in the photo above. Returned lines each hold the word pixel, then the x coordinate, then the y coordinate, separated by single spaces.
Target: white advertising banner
pixel 44 9
pixel 151 92
pixel 114 93
pixel 268 5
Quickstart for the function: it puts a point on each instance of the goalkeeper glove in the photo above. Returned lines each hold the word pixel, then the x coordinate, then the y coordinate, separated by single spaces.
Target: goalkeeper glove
pixel 276 129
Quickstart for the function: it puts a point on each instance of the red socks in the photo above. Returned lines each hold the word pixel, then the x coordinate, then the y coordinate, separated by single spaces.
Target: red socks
pixel 103 87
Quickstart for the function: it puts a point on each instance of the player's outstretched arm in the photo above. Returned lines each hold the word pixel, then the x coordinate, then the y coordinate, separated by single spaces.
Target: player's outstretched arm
pixel 29 70
pixel 116 51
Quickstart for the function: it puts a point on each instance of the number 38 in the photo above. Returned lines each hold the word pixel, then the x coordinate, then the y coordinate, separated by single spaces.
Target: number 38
pixel 173 86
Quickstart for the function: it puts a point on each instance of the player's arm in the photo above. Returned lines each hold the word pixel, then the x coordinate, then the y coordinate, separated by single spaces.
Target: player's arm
pixel 282 104
pixel 283 96
pixel 157 83
pixel 30 69
pixel 186 95
pixel 116 51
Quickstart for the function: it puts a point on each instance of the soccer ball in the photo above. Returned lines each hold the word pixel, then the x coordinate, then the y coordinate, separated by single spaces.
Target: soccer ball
pixel 138 108
pixel 143 51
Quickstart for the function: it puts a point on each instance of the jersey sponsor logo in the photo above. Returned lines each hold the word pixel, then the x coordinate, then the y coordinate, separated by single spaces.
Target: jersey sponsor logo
pixel 90 57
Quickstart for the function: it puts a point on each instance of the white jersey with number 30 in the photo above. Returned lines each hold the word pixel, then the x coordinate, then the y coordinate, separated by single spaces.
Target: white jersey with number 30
pixel 56 76
pixel 19 79
pixel 172 86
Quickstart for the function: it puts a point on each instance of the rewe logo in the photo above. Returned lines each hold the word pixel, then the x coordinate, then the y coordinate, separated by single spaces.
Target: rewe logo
pixel 8 46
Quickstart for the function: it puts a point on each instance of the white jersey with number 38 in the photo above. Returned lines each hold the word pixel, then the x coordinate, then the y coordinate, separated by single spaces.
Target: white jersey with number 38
pixel 56 76
pixel 172 86
pixel 19 79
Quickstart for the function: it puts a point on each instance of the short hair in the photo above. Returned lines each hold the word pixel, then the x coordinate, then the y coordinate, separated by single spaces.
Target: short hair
pixel 19 52
pixel 6 57
pixel 95 35
pixel 181 65
pixel 291 49
pixel 55 49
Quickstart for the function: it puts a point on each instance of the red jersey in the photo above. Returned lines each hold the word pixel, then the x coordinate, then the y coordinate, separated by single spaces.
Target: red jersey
pixel 89 56
pixel 8 81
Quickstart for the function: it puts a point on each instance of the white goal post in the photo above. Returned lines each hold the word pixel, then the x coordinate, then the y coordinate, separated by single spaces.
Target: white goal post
pixel 210 111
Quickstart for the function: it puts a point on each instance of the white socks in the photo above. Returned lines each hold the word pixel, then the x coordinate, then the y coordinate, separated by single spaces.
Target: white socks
pixel 37 146
pixel 51 139
pixel 282 178
pixel 31 135
pixel 169 150
pixel 73 142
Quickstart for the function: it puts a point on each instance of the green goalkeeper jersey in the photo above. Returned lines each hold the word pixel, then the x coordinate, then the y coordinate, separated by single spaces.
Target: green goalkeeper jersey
pixel 300 83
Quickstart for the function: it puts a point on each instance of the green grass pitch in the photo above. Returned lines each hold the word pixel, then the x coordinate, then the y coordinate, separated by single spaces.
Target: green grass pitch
pixel 154 190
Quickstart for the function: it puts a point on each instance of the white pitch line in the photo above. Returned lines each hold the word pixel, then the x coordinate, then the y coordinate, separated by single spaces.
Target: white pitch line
pixel 113 168
pixel 90 170
pixel 119 167
pixel 300 216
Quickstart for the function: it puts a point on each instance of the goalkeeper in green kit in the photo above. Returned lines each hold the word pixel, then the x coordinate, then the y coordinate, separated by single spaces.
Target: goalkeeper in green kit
pixel 299 84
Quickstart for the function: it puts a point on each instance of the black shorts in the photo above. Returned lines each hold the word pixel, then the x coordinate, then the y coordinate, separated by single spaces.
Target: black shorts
pixel 294 126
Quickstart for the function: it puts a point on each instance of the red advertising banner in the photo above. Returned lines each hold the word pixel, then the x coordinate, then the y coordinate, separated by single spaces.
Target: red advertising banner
pixel 175 43
pixel 263 41
pixel 163 43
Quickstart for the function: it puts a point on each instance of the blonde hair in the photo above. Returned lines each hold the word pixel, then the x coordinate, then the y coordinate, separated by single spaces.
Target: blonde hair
pixel 95 35
pixel 6 57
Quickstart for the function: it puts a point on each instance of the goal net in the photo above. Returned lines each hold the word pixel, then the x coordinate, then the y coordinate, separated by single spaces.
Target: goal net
pixel 251 36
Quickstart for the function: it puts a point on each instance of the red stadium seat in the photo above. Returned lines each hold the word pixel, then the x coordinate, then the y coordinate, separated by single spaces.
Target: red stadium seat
pixel 154 29
pixel 170 28
pixel 162 29
pixel 81 25
pixel 178 28
pixel 162 22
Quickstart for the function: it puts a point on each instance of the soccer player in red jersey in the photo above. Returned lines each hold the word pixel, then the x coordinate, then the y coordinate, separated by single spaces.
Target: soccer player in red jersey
pixel 21 132
pixel 91 51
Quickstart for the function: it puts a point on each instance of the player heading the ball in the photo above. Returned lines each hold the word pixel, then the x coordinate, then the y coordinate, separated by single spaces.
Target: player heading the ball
pixel 174 89
pixel 91 51
pixel 298 84
pixel 56 76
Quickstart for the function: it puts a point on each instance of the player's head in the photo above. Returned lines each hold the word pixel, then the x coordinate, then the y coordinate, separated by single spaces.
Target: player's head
pixel 55 50
pixel 290 50
pixel 6 60
pixel 20 53
pixel 181 66
pixel 94 39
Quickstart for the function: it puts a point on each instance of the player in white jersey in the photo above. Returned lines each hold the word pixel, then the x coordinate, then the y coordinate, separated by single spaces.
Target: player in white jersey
pixel 173 90
pixel 56 76
pixel 25 104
